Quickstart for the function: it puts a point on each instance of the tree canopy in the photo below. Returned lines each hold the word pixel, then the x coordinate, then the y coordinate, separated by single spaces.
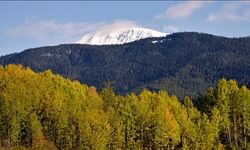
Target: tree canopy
pixel 47 111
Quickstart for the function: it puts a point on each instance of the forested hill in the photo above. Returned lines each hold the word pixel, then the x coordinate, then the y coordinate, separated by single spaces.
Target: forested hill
pixel 182 63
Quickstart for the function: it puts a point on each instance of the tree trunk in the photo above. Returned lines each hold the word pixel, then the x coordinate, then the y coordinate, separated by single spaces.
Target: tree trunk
pixel 235 133
pixel 245 136
pixel 229 136
pixel 126 135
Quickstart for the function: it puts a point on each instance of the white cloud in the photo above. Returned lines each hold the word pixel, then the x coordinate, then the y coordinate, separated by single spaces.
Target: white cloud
pixel 220 16
pixel 230 12
pixel 49 30
pixel 182 10
pixel 43 29
pixel 230 6
pixel 118 24
pixel 170 29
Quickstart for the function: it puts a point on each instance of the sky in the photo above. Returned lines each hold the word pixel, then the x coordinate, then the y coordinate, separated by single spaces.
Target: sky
pixel 30 24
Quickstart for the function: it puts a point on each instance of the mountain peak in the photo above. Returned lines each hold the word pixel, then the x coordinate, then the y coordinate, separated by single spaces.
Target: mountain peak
pixel 119 36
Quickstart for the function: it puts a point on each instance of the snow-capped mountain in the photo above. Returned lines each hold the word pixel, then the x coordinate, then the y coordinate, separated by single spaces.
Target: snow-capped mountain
pixel 119 36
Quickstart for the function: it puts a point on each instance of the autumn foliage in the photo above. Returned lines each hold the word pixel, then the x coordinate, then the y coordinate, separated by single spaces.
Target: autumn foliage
pixel 46 111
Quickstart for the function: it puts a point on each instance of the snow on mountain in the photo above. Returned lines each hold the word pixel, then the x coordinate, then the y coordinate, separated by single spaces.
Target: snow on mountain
pixel 119 36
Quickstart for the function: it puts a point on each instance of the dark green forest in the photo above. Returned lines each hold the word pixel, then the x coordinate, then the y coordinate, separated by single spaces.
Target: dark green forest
pixel 46 111
pixel 186 63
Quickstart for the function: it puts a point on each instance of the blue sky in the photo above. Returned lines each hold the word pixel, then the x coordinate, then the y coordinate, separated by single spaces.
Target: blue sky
pixel 30 24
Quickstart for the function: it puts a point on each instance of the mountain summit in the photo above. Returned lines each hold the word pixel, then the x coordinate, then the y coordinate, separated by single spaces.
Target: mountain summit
pixel 119 36
pixel 184 63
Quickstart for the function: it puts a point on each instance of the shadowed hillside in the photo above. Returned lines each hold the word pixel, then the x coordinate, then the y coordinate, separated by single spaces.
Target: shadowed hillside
pixel 182 63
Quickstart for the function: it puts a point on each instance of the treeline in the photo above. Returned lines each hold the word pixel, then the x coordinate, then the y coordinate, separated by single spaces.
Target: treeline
pixel 185 63
pixel 46 111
